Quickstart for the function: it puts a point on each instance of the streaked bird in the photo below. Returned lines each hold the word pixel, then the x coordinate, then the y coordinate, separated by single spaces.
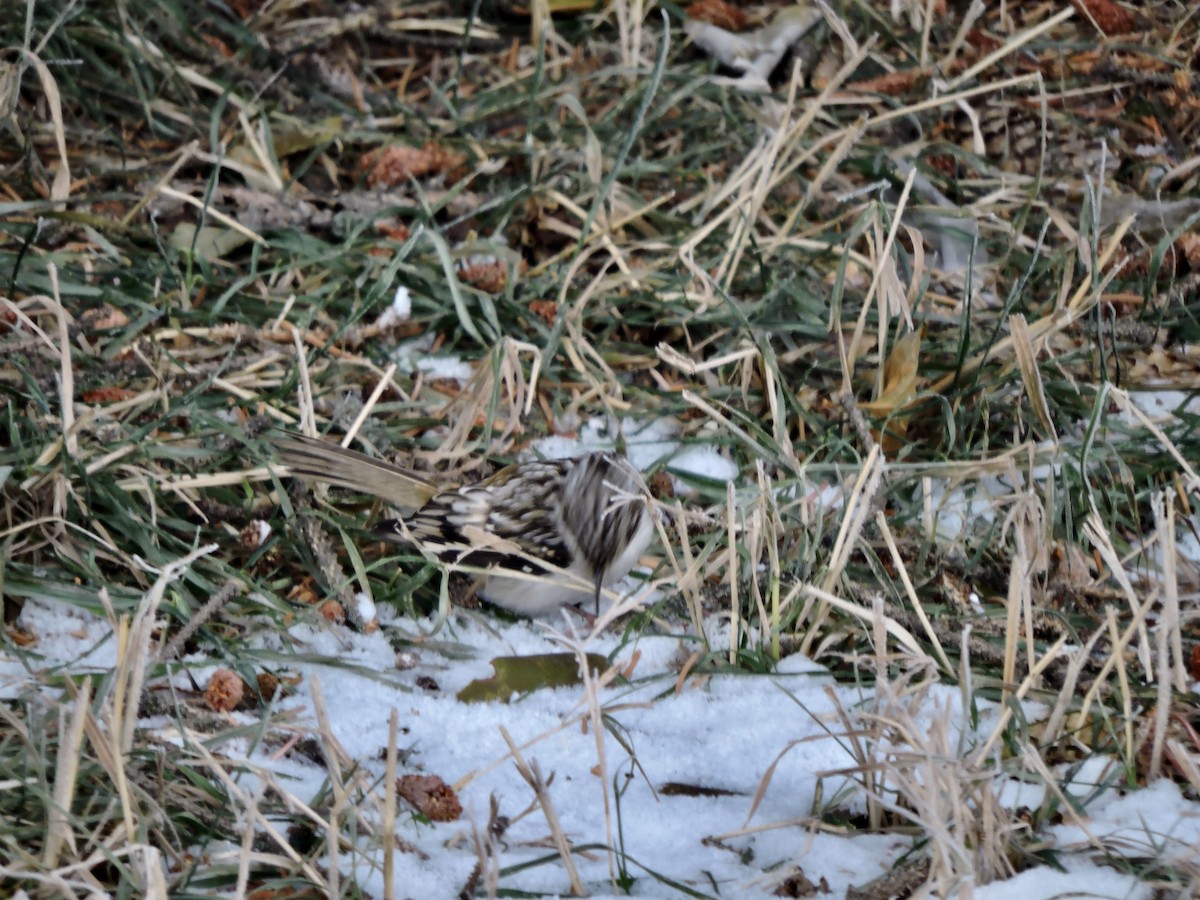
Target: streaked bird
pixel 583 518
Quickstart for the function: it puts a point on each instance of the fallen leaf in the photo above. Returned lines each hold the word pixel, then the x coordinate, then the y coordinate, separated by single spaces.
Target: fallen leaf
pixel 719 13
pixel 899 376
pixel 1109 18
pixel 899 388
pixel 107 395
pixel 431 796
pixel 395 164
pixel 522 674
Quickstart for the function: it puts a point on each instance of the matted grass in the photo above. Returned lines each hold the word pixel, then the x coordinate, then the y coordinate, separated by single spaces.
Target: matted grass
pixel 198 243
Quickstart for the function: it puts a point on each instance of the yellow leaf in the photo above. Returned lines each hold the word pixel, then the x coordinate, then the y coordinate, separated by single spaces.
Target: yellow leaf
pixel 899 376
pixel 522 674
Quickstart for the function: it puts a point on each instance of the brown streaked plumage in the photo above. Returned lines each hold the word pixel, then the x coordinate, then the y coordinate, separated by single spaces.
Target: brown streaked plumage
pixel 586 515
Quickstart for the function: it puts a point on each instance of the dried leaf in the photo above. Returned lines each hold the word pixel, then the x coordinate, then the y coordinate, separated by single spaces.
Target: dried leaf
pixel 522 674
pixel 899 388
pixel 1109 18
pixel 332 611
pixel 107 395
pixel 395 164
pixel 488 276
pixel 546 310
pixel 1027 363
pixel 719 13
pixel 21 638
pixel 102 318
pixel 899 376
pixel 431 796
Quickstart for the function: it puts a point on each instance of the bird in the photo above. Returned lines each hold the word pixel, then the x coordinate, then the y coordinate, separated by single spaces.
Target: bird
pixel 541 528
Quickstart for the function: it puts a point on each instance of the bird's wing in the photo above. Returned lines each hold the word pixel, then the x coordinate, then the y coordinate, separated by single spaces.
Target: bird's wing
pixel 510 520
pixel 322 461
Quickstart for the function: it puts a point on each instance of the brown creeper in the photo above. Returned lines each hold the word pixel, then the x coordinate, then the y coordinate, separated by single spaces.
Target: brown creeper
pixel 586 515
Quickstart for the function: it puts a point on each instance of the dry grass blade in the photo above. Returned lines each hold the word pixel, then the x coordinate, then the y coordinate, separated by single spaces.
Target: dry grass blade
pixel 67 770
pixel 1027 363
pixel 533 777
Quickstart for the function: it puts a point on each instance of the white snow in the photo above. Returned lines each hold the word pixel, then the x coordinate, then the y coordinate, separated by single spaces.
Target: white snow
pixel 1157 822
pixel 449 367
pixel 413 356
pixel 1161 404
pixel 399 311
pixel 959 511
pixel 262 530
pixel 364 608
pixel 703 461
pixel 718 734
pixel 1082 879
pixel 67 636
pixel 646 443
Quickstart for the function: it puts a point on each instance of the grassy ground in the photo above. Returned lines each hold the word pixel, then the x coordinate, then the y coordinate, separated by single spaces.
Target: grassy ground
pixel 202 224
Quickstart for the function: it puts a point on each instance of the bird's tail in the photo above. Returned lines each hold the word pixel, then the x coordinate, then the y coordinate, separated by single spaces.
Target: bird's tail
pixel 322 461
